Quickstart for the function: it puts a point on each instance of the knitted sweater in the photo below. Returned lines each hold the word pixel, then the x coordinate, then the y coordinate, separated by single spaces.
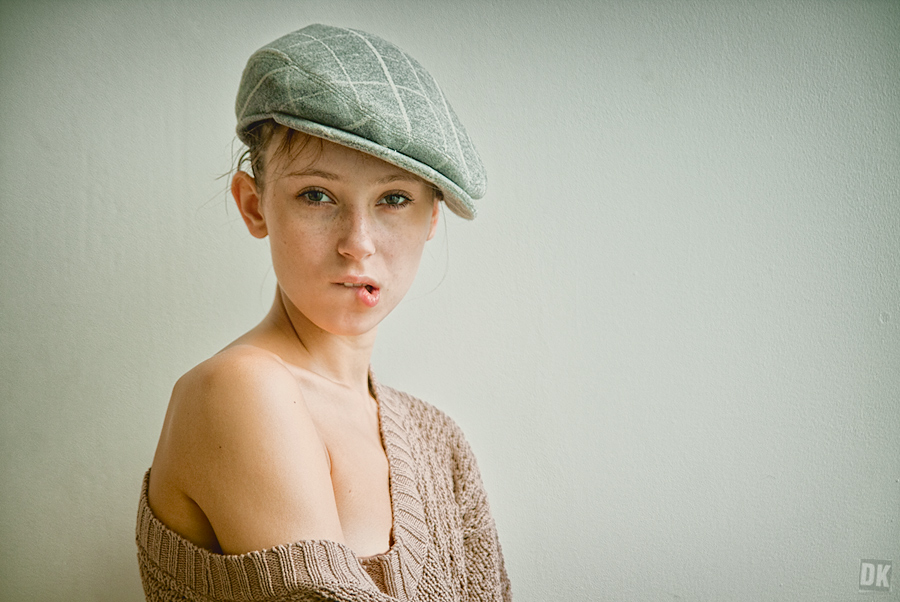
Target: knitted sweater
pixel 444 548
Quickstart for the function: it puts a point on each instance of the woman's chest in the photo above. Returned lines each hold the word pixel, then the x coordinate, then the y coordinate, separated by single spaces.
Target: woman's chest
pixel 360 479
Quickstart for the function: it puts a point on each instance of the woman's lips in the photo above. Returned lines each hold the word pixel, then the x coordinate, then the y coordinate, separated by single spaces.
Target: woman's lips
pixel 367 292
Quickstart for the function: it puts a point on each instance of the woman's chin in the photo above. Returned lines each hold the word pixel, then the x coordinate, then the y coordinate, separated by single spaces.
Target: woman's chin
pixel 352 326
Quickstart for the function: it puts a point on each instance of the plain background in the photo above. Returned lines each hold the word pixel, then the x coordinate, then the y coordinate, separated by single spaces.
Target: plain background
pixel 672 335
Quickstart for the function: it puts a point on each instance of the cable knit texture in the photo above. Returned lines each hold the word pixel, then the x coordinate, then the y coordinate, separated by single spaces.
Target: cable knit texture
pixel 445 545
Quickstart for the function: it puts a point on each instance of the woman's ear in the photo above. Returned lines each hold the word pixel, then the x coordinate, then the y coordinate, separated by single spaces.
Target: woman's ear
pixel 435 213
pixel 246 195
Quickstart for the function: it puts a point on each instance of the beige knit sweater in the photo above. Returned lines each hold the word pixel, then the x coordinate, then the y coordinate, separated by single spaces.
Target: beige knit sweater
pixel 444 549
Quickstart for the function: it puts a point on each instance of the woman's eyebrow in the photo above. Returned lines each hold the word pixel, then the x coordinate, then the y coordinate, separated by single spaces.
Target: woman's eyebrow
pixel 327 175
pixel 395 177
pixel 314 173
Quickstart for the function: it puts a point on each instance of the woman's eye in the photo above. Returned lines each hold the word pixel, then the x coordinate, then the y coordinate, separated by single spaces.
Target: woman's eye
pixel 396 200
pixel 314 197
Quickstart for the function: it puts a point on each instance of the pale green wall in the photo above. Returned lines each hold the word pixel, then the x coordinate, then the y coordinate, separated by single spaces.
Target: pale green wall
pixel 672 335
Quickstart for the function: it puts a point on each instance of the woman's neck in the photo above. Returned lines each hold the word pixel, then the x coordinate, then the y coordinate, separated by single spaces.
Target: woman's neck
pixel 341 359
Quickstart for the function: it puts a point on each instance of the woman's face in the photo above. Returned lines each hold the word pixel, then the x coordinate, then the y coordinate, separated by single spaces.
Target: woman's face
pixel 346 231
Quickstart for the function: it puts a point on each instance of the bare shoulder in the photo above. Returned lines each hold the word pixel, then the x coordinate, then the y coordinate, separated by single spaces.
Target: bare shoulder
pixel 224 400
pixel 237 379
pixel 244 365
pixel 239 450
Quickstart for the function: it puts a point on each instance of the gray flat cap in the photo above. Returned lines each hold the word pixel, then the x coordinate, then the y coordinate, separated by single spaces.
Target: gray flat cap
pixel 358 90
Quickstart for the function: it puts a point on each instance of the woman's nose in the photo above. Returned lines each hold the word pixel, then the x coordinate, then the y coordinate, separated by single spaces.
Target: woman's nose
pixel 357 231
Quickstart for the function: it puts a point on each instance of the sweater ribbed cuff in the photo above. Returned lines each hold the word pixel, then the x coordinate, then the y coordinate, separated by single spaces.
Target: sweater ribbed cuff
pixel 274 572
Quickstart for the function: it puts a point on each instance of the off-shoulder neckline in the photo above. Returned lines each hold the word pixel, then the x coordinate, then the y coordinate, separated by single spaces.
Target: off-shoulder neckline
pixel 287 566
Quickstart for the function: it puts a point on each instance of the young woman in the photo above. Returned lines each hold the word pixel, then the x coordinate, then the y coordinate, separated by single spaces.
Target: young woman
pixel 284 470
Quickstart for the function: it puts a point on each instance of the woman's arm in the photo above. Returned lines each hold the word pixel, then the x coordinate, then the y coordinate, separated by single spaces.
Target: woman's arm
pixel 485 569
pixel 239 442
